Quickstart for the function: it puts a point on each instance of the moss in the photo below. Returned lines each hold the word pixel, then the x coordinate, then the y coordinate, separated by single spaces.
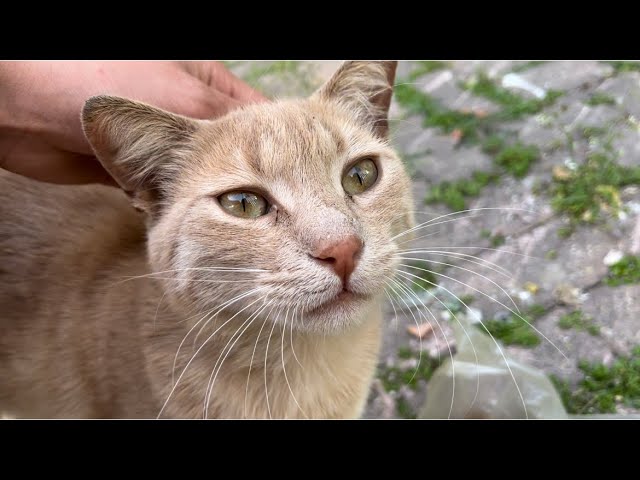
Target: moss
pixel 454 194
pixel 603 387
pixel 514 330
pixel 405 410
pixel 517 158
pixel 593 132
pixel 493 144
pixel 467 299
pixel 435 115
pixel 536 311
pixel 625 271
pixel 566 231
pixel 599 98
pixel 497 240
pixel 551 255
pixel 578 321
pixel 624 66
pixel 393 378
pixel 405 353
pixel 425 67
pixel 513 106
pixel 592 188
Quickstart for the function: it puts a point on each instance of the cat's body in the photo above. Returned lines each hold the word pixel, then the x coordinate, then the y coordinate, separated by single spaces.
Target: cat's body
pixel 97 297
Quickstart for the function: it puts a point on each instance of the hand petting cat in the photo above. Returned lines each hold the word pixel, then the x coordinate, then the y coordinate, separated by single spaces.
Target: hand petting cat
pixel 40 102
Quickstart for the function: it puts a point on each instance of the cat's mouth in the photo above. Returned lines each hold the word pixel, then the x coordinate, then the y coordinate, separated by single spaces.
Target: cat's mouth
pixel 341 299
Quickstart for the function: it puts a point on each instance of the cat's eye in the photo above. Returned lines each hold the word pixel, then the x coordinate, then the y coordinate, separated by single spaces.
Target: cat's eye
pixel 360 177
pixel 244 204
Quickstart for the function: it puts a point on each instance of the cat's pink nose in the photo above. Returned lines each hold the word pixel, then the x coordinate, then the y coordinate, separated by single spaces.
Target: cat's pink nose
pixel 341 256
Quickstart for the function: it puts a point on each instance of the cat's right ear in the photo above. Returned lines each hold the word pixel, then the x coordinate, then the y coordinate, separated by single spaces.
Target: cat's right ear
pixel 139 145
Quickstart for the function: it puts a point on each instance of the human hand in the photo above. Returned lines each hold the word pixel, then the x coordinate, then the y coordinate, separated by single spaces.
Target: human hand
pixel 40 103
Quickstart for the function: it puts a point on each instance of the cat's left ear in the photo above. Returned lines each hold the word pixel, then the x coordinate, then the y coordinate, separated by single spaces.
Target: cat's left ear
pixel 365 89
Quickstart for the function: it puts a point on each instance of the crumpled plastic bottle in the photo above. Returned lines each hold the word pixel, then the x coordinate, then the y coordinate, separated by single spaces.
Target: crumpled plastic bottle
pixel 487 384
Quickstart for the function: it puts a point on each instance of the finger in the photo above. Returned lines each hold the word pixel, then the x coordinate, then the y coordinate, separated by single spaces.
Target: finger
pixel 226 82
pixel 209 103
pixel 61 168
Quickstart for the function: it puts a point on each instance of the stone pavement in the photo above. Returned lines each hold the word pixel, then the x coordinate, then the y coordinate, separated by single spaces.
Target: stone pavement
pixel 551 152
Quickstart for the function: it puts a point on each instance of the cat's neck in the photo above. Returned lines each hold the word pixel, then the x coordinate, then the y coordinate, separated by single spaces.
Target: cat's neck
pixel 302 374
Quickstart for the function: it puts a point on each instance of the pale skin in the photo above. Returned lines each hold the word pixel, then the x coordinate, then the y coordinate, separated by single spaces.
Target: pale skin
pixel 41 135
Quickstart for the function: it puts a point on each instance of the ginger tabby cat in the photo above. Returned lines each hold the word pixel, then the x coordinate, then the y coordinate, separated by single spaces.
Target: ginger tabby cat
pixel 238 273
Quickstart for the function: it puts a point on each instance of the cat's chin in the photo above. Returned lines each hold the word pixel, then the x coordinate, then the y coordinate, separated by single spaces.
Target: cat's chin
pixel 342 311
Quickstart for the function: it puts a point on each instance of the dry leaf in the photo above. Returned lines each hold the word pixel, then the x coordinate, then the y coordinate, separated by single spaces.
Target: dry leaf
pixel 420 331
pixel 561 173
pixel 456 135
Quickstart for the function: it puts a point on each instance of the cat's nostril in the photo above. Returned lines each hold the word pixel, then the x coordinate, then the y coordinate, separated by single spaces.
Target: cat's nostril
pixel 341 255
pixel 328 260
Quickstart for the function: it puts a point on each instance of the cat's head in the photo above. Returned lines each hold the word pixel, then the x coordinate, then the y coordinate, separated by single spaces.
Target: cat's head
pixel 294 203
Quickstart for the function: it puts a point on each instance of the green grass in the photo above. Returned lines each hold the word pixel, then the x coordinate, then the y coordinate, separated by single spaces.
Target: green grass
pixel 577 321
pixel 517 159
pixel 514 330
pixel 625 271
pixel 593 132
pixel 497 240
pixel 603 387
pixel 601 99
pixel 435 115
pixel 566 231
pixel 592 188
pixel 455 194
pixel 513 106
pixel 405 410
pixel 493 144
pixel 427 66
pixel 297 75
pixel 624 66
pixel 394 378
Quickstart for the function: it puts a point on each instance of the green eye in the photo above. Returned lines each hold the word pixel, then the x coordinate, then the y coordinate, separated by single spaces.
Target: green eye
pixel 360 177
pixel 244 204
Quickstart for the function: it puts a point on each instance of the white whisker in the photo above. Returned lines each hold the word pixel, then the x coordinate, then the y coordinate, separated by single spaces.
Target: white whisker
pixel 220 308
pixel 453 369
pixel 443 249
pixel 198 351
pixel 455 317
pixel 467 258
pixel 255 346
pixel 266 354
pixel 494 340
pixel 430 222
pixel 466 270
pixel 213 377
pixel 489 297
pixel 284 368
pixel 291 336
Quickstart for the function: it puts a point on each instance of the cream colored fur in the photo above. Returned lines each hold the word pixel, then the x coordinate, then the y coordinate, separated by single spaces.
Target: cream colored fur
pixel 97 296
